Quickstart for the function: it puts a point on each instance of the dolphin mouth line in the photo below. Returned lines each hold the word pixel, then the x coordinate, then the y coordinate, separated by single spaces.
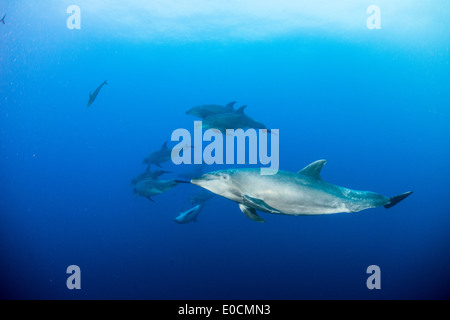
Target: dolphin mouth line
pixel 204 177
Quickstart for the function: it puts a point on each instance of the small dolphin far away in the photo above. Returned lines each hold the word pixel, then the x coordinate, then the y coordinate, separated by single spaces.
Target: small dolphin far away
pixel 92 96
pixel 189 215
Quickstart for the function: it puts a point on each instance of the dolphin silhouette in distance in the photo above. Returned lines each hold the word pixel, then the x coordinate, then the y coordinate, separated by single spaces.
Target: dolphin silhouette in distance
pixel 206 110
pixel 92 96
pixel 289 193
pixel 189 215
pixel 162 155
pixel 152 187
pixel 232 120
pixel 148 175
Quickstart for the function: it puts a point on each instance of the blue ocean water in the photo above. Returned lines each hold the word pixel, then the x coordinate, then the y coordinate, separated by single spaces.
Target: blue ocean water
pixel 374 103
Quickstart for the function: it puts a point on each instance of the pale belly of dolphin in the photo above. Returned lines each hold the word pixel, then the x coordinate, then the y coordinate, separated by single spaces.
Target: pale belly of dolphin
pixel 298 197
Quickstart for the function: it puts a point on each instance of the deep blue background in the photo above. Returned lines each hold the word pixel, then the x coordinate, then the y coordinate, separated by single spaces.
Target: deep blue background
pixel 376 110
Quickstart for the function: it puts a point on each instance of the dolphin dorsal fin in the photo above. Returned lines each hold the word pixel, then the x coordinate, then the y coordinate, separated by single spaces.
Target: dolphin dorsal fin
pixel 241 109
pixel 230 104
pixel 164 146
pixel 313 170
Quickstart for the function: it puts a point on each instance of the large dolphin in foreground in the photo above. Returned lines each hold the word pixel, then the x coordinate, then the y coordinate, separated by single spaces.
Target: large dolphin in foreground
pixel 92 96
pixel 301 193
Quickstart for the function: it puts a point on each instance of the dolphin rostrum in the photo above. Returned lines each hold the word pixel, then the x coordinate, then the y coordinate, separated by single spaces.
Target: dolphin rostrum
pixel 189 215
pixel 301 193
pixel 92 96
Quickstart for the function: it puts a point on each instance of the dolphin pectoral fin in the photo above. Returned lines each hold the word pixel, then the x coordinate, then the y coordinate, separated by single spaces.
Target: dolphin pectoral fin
pixel 313 170
pixel 394 200
pixel 150 199
pixel 260 204
pixel 250 213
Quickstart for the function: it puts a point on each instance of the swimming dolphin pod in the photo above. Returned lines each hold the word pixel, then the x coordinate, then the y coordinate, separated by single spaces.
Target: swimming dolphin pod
pixel 284 193
pixel 289 193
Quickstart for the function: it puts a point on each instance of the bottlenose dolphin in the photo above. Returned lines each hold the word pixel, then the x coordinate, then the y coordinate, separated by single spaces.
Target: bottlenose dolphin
pixel 201 197
pixel 206 110
pixel 3 19
pixel 148 175
pixel 231 120
pixel 301 193
pixel 162 155
pixel 189 215
pixel 152 187
pixel 92 96
pixel 158 157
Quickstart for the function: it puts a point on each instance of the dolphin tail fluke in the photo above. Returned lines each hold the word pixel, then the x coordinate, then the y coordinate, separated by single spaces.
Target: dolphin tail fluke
pixel 3 19
pixel 105 82
pixel 396 199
